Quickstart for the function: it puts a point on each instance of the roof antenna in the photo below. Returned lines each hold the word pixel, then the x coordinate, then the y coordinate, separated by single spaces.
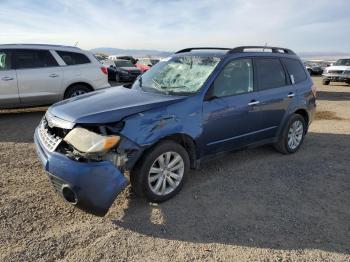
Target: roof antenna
pixel 264 47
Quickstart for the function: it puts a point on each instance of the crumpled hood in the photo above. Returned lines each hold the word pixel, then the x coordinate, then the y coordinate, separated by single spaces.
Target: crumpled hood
pixel 109 105
pixel 338 68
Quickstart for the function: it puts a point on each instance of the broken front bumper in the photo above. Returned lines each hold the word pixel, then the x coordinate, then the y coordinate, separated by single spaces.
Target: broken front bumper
pixel 91 186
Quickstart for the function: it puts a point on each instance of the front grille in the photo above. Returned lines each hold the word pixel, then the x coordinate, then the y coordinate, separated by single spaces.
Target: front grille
pixel 56 183
pixel 335 71
pixel 49 141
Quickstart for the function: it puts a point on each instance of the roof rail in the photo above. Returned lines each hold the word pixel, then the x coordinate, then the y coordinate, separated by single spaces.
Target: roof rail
pixel 47 45
pixel 201 48
pixel 241 49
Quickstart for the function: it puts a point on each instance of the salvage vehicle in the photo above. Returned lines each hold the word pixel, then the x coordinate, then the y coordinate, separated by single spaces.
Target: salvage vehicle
pixel 198 103
pixel 35 75
pixel 338 72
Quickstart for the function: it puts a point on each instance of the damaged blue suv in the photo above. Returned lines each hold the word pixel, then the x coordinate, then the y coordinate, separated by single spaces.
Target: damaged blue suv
pixel 197 103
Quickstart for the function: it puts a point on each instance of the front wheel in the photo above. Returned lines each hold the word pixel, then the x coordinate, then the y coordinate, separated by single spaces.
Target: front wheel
pixel 161 172
pixel 292 135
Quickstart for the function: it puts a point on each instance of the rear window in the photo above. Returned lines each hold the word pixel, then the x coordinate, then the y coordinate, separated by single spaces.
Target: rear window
pixel 72 58
pixel 295 70
pixel 270 73
pixel 27 59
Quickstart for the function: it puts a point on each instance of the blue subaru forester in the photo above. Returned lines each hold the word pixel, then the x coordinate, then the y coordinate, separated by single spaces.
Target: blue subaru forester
pixel 197 103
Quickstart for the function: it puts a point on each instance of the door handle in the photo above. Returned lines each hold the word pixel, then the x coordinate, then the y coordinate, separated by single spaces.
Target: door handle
pixel 291 95
pixel 53 75
pixel 253 103
pixel 7 78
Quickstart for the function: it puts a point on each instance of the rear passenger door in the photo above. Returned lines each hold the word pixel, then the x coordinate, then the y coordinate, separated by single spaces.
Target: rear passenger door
pixel 8 81
pixel 39 77
pixel 276 94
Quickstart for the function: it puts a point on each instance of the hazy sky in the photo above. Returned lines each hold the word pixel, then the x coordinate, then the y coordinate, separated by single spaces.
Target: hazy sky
pixel 302 25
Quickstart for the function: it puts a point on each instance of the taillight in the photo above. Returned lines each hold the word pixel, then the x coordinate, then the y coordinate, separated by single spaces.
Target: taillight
pixel 104 70
pixel 314 90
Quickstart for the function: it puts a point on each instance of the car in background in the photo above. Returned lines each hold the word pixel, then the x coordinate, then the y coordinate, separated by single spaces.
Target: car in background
pixel 126 71
pixel 35 75
pixel 190 107
pixel 143 67
pixel 314 70
pixel 337 72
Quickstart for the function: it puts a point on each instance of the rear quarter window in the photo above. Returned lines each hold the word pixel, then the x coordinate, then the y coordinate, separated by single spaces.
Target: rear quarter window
pixel 72 58
pixel 295 70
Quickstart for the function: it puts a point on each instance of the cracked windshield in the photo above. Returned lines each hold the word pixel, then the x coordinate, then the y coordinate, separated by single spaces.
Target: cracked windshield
pixel 178 75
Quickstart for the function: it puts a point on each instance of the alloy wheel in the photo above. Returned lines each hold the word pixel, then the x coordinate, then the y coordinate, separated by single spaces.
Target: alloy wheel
pixel 166 173
pixel 295 134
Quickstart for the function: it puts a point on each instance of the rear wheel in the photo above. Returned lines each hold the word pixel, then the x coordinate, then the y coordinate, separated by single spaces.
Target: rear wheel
pixel 76 90
pixel 160 174
pixel 292 136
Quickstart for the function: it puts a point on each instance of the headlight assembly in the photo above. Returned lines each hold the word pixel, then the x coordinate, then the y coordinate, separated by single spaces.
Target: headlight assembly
pixel 89 142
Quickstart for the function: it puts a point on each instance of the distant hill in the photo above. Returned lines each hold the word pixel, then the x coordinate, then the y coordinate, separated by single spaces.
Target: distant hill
pixel 131 52
pixel 324 55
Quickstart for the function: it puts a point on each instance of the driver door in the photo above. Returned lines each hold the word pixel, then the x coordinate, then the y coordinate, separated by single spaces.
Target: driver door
pixel 231 117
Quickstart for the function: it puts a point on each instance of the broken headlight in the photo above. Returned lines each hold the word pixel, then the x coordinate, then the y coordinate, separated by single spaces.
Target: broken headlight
pixel 87 141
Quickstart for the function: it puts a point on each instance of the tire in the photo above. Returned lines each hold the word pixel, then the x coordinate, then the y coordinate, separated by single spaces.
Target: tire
pixel 76 90
pixel 141 175
pixel 283 146
pixel 325 82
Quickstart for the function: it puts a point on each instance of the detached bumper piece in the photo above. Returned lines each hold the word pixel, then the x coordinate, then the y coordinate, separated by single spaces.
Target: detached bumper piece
pixel 91 186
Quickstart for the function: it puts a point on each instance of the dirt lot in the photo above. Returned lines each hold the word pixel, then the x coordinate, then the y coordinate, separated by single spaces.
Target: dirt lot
pixel 255 205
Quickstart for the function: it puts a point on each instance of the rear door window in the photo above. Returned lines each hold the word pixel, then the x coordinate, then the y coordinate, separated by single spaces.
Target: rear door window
pixel 270 73
pixel 5 60
pixel 72 58
pixel 27 58
pixel 295 70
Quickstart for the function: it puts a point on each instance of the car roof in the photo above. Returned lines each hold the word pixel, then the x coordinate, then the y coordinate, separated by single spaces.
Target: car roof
pixel 40 46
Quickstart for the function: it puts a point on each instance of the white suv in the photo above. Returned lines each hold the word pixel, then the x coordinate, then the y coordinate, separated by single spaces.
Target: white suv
pixel 32 75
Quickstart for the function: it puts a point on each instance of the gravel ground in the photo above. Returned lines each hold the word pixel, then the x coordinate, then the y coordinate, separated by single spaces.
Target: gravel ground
pixel 255 205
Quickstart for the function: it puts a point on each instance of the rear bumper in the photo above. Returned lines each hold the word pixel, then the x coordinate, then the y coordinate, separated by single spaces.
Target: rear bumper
pixel 95 185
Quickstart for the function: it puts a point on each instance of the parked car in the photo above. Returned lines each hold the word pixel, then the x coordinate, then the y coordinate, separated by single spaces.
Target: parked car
pixel 142 67
pixel 125 71
pixel 184 110
pixel 338 72
pixel 314 70
pixel 33 75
